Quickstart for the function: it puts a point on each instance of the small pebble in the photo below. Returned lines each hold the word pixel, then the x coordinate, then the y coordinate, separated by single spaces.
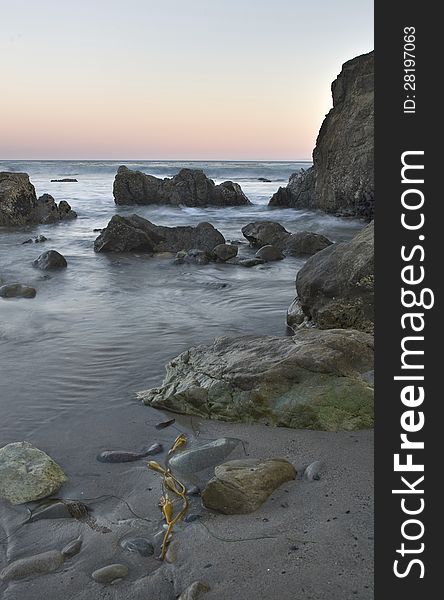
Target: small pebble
pixel 191 518
pixel 194 590
pixel 72 548
pixel 140 545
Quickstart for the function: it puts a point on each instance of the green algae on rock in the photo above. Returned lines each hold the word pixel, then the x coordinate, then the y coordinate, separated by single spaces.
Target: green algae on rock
pixel 316 379
pixel 27 473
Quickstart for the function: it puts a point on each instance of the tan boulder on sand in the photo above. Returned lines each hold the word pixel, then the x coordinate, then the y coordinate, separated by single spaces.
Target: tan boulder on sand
pixel 242 486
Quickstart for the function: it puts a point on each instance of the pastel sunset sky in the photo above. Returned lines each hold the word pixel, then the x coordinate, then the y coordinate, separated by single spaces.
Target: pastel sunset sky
pixel 172 79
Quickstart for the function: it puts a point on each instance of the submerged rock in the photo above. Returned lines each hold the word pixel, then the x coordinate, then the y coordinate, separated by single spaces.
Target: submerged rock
pixel 305 243
pixel 46 562
pixel 190 187
pixel 27 473
pixel 265 233
pixel 110 573
pixel 269 254
pixel 17 290
pixel 51 259
pixel 133 233
pixel 335 287
pixel 64 180
pixel 242 486
pixel 313 380
pixel 224 252
pixel 54 510
pixel 204 456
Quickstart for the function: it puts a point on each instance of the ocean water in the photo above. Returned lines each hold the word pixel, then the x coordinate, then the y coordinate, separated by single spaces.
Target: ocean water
pixel 103 328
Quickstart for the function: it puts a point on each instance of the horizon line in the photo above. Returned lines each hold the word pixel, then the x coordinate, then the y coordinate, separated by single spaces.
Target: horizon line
pixel 158 159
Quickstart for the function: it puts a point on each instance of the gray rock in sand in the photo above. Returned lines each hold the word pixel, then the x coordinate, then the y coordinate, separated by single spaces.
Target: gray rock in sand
pixel 32 565
pixel 17 290
pixel 312 472
pixel 51 259
pixel 194 591
pixel 72 548
pixel 110 573
pixel 140 545
pixel 242 486
pixel 202 457
pixel 27 473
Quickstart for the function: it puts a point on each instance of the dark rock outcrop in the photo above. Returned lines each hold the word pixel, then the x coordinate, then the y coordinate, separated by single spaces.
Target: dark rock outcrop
pixel 190 187
pixel 50 212
pixel 19 204
pixel 315 380
pixel 51 259
pixel 335 286
pixel 341 180
pixel 133 233
pixel 299 192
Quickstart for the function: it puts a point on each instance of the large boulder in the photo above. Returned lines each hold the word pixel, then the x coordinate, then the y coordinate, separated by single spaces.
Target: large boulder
pixel 134 233
pixel 190 187
pixel 19 204
pixel 342 179
pixel 315 379
pixel 242 486
pixel 265 233
pixel 27 473
pixel 335 286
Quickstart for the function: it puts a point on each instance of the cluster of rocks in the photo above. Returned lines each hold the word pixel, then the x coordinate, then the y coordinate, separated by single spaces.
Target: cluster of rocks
pixel 20 206
pixel 341 180
pixel 262 234
pixel 190 187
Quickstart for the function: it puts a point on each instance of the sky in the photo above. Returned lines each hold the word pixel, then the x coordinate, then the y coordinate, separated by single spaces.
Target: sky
pixel 172 79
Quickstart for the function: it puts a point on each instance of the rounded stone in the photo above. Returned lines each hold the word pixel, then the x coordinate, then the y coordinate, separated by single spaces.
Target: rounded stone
pixel 110 573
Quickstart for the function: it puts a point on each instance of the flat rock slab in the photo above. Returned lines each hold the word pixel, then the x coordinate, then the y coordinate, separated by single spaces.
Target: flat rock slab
pixel 32 565
pixel 313 380
pixel 27 473
pixel 242 486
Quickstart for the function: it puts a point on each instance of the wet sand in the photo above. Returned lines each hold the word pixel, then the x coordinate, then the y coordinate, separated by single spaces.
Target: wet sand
pixel 310 540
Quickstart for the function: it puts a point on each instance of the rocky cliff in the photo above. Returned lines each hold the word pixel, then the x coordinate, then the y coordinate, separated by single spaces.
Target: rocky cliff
pixel 341 180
